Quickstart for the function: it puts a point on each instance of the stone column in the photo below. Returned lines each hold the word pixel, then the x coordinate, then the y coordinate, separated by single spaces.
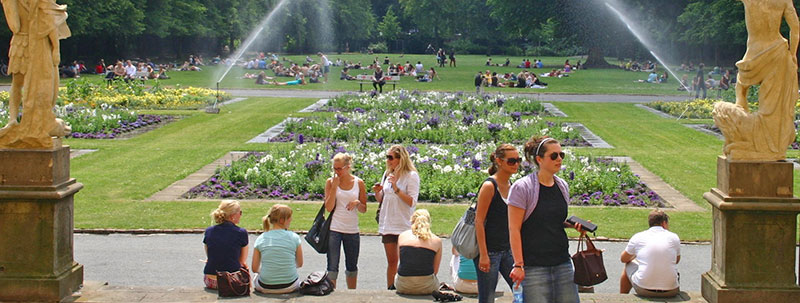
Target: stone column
pixel 36 226
pixel 755 232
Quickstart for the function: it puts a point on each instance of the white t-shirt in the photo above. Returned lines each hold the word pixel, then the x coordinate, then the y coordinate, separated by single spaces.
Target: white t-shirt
pixel 419 67
pixel 130 70
pixel 346 221
pixel 395 215
pixel 325 61
pixel 656 251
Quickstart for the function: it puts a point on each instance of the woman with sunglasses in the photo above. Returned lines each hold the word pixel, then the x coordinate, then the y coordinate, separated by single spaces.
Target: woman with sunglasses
pixel 492 219
pixel 397 193
pixel 537 210
pixel 346 194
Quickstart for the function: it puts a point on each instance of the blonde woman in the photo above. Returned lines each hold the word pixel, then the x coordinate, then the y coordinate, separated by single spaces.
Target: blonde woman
pixel 397 192
pixel 225 243
pixel 420 255
pixel 346 194
pixel 276 272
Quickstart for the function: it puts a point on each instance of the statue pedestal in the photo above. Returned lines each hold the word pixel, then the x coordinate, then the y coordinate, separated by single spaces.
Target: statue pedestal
pixel 754 236
pixel 36 226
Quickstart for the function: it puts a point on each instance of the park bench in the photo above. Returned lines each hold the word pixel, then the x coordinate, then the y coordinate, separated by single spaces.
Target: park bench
pixel 367 79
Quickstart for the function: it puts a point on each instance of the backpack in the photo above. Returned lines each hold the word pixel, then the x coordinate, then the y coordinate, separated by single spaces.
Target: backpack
pixel 317 284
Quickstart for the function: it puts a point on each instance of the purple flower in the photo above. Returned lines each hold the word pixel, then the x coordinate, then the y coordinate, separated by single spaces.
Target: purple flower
pixel 300 139
pixel 433 121
pixel 516 116
pixel 341 119
pixel 494 127
pixel 468 119
pixel 476 165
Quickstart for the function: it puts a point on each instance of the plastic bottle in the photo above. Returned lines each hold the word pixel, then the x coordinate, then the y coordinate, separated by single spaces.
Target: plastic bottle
pixel 517 291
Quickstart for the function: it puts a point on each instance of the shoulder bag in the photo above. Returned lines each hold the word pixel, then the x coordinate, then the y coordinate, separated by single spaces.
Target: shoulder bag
pixel 463 237
pixel 589 268
pixel 233 284
pixel 320 230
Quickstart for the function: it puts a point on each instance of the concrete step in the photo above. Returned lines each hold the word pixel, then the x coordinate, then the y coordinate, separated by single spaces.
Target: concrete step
pixel 101 292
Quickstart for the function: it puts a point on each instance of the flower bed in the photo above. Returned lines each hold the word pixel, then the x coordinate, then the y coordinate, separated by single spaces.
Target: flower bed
pixel 419 127
pixel 697 109
pixel 433 102
pixel 133 95
pixel 104 122
pixel 449 173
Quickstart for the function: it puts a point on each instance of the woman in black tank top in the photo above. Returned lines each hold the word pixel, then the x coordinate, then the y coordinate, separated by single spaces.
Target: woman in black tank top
pixel 537 210
pixel 491 219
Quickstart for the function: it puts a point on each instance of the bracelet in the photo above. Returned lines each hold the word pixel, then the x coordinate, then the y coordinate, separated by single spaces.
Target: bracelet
pixel 396 190
pixel 518 266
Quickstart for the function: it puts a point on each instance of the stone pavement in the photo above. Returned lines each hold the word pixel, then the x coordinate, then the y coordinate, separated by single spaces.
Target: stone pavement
pixel 98 292
pixel 283 93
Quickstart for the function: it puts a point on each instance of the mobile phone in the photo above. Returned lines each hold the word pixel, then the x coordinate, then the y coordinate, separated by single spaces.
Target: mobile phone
pixel 585 225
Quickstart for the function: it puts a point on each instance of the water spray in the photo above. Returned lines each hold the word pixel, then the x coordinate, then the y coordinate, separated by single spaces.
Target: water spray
pixel 645 42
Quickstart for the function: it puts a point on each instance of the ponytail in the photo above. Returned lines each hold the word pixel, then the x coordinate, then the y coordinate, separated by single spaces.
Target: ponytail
pixel 277 214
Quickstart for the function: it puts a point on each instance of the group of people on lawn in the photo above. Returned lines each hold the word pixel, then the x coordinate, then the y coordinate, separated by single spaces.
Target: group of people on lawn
pixel 520 230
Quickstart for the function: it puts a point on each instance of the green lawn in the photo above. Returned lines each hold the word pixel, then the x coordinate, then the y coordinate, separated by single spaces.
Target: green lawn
pixel 592 81
pixel 124 172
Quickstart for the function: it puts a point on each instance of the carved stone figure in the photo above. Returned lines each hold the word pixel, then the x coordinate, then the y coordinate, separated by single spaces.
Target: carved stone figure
pixel 37 27
pixel 771 61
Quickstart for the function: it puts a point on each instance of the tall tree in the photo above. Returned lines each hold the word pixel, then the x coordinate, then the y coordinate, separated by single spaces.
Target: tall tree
pixel 389 28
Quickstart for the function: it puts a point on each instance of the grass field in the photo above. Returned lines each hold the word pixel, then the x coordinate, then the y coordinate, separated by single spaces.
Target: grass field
pixel 591 81
pixel 124 172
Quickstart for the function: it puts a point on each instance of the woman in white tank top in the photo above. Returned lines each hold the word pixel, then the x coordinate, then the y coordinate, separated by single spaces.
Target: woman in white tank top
pixel 345 196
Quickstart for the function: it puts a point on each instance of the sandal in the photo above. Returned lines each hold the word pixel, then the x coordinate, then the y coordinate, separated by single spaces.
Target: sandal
pixel 441 296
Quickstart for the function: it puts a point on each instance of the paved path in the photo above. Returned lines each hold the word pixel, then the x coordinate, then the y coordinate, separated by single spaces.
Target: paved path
pixel 177 261
pixel 539 96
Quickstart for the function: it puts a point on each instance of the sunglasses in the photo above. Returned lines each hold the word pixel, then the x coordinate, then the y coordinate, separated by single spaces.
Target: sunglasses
pixel 390 157
pixel 555 156
pixel 339 168
pixel 513 161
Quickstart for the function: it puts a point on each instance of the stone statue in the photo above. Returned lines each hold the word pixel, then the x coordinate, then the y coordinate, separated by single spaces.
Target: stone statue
pixel 37 27
pixel 771 62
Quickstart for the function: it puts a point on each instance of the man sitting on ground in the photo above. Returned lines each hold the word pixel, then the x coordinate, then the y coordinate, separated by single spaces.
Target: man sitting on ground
pixel 651 260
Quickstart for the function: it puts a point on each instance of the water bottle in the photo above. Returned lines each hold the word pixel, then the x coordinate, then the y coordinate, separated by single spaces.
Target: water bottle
pixel 517 291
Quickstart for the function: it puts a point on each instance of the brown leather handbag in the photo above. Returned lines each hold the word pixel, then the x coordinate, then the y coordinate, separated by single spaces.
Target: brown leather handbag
pixel 233 284
pixel 589 268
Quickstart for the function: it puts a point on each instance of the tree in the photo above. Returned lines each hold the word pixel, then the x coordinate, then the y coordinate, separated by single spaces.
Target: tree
pixel 354 23
pixel 389 27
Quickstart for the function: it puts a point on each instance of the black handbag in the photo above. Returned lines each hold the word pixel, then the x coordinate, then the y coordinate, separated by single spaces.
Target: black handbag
pixel 233 284
pixel 589 268
pixel 320 230
pixel 317 283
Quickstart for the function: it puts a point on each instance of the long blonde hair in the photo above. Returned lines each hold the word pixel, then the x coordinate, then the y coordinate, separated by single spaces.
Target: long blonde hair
pixel 278 213
pixel 421 224
pixel 225 210
pixel 405 164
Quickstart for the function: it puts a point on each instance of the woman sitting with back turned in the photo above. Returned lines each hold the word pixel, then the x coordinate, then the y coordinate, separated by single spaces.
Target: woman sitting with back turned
pixel 225 243
pixel 276 272
pixel 420 255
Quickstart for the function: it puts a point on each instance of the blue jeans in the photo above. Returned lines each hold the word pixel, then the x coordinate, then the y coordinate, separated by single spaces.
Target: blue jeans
pixel 550 284
pixel 351 242
pixel 499 262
